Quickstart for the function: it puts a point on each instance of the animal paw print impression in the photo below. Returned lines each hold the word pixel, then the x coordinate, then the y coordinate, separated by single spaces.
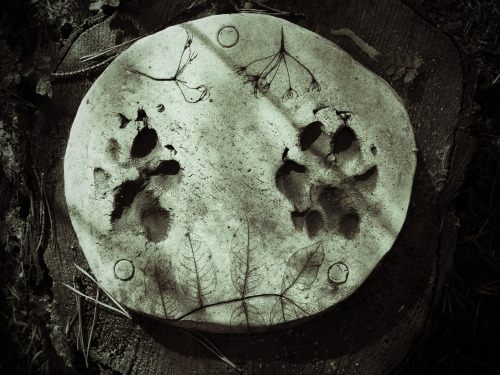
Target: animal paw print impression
pixel 324 197
pixel 136 201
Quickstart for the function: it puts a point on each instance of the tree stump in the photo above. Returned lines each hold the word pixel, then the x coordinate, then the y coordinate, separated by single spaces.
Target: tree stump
pixel 372 331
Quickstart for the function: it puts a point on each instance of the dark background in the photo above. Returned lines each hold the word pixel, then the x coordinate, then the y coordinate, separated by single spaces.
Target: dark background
pixel 465 336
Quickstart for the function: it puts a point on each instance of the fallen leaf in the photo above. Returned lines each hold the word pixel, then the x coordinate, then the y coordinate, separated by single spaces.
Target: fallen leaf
pixel 416 62
pixel 390 70
pixel 399 73
pixel 410 75
pixel 44 87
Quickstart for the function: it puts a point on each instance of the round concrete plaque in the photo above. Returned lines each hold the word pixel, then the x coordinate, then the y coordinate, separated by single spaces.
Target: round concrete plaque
pixel 237 172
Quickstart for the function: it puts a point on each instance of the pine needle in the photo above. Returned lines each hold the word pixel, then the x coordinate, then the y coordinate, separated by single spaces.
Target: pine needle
pixel 51 221
pixel 14 292
pixel 93 299
pixel 41 211
pixel 268 7
pixel 32 338
pixel 14 98
pixel 496 79
pixel 258 11
pixel 79 339
pixel 123 311
pixel 93 323
pixel 96 55
pixel 88 69
pixel 34 359
pixel 69 323
pixel 267 10
pixel 211 347
pixel 78 330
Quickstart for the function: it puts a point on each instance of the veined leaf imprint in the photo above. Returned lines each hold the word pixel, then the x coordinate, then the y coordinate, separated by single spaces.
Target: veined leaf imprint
pixel 157 273
pixel 166 289
pixel 199 278
pixel 300 273
pixel 246 245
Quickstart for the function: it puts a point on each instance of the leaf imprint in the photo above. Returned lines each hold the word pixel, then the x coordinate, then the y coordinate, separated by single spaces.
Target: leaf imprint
pixel 199 278
pixel 246 245
pixel 302 267
pixel 285 310
pixel 301 271
pixel 247 314
pixel 166 290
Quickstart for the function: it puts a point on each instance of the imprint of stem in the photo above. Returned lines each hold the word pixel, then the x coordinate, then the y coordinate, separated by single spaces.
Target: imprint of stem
pixel 262 80
pixel 186 58
pixel 266 295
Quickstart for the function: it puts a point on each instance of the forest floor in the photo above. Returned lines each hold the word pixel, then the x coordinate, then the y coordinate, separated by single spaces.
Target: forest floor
pixel 465 337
